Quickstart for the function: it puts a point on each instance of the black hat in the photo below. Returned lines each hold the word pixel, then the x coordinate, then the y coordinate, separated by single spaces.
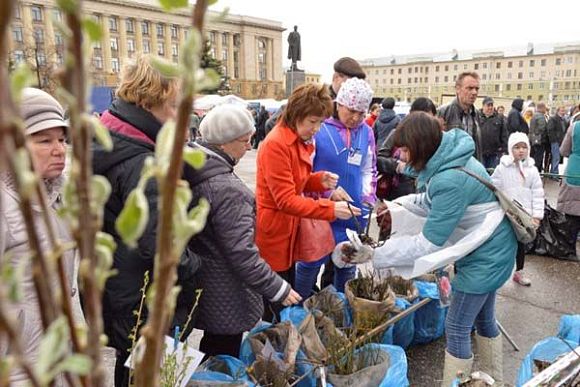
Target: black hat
pixel 487 101
pixel 349 67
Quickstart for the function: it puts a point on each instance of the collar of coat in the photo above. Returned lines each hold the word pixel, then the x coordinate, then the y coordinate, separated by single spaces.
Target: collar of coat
pixel 52 187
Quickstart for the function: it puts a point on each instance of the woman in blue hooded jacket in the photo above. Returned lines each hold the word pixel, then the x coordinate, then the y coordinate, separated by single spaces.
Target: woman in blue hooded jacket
pixel 435 158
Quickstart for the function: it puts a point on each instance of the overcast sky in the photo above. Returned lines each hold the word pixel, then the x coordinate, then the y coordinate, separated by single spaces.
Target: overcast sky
pixel 372 28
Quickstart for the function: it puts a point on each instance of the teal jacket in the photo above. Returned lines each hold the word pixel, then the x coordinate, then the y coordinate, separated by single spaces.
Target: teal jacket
pixel 449 192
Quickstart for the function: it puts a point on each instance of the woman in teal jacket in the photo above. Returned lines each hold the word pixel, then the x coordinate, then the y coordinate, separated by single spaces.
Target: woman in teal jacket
pixel 434 158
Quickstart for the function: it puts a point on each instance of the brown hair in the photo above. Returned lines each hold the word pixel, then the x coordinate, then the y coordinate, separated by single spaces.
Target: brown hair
pixel 421 133
pixel 465 74
pixel 306 100
pixel 144 85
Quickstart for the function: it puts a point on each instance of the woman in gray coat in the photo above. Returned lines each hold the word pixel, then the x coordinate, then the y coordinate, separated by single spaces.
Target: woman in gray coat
pixel 46 141
pixel 233 276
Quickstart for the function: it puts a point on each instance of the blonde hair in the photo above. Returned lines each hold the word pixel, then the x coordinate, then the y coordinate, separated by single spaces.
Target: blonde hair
pixel 144 85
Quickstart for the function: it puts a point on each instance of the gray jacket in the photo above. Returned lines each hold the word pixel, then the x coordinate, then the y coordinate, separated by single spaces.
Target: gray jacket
pixel 233 276
pixel 538 128
pixel 14 244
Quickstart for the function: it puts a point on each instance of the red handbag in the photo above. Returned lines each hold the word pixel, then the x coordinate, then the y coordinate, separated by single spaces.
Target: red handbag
pixel 314 240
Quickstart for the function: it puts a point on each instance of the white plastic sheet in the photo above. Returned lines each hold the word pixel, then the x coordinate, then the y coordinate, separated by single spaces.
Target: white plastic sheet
pixel 410 254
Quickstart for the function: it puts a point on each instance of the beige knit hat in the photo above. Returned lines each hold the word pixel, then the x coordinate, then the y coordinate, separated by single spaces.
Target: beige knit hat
pixel 225 123
pixel 40 111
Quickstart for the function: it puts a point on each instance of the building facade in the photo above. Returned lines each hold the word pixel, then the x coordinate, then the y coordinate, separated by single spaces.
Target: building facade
pixel 312 78
pixel 548 72
pixel 249 48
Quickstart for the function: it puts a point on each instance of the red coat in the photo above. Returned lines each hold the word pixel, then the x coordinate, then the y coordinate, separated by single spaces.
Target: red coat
pixel 284 166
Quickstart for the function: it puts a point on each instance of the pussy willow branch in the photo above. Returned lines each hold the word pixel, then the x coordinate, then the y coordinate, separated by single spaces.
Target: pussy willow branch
pixel 166 259
pixel 74 82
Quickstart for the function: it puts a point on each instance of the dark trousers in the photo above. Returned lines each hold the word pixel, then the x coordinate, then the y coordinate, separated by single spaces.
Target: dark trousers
pixel 574 222
pixel 213 345
pixel 537 154
pixel 272 309
pixel 328 274
pixel 520 256
pixel 490 161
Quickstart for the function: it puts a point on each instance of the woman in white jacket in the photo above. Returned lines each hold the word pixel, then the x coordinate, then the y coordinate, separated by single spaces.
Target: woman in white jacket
pixel 517 176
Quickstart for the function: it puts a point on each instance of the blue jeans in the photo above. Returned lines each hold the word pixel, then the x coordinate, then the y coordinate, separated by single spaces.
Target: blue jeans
pixel 467 309
pixel 490 161
pixel 306 273
pixel 555 148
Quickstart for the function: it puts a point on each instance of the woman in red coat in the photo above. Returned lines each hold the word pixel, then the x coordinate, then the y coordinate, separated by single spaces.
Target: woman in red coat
pixel 284 172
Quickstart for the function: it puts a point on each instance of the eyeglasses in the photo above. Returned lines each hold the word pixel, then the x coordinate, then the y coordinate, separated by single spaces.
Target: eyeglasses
pixel 245 142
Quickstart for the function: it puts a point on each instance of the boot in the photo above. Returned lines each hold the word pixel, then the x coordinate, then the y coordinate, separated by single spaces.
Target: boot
pixel 453 366
pixel 491 357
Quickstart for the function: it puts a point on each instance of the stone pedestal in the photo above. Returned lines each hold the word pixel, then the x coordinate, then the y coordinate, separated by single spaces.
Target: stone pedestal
pixel 293 80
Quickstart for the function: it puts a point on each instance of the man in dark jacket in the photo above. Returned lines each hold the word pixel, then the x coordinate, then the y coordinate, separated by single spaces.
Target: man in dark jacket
pixel 493 135
pixel 233 276
pixel 273 120
pixel 556 131
pixel 133 131
pixel 344 68
pixel 515 121
pixel 461 113
pixel 387 121
pixel 538 132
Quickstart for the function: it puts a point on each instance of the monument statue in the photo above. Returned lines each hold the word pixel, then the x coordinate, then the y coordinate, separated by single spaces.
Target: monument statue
pixel 294 50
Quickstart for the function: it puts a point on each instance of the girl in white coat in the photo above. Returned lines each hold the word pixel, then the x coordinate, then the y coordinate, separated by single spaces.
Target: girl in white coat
pixel 519 179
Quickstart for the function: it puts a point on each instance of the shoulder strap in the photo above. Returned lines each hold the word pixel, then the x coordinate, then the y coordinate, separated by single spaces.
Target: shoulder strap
pixel 481 180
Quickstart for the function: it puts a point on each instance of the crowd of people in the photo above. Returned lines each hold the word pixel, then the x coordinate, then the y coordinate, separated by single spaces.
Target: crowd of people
pixel 330 155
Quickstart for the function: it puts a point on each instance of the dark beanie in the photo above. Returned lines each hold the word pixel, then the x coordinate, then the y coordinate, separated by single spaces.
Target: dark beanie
pixel 349 67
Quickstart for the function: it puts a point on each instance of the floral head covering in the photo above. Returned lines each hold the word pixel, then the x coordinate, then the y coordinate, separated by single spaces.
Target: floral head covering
pixel 355 94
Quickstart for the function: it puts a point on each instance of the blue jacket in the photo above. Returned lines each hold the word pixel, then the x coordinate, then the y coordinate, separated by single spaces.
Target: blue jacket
pixel 450 192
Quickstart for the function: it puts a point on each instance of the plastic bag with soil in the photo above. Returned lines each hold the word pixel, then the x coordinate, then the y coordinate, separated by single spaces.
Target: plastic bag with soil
pixel 371 365
pixel 221 370
pixel 332 304
pixel 372 301
pixel 403 288
pixel 554 237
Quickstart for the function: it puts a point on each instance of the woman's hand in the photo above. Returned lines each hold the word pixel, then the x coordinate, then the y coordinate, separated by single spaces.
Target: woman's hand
pixel 342 211
pixel 329 180
pixel 536 222
pixel 292 298
pixel 339 195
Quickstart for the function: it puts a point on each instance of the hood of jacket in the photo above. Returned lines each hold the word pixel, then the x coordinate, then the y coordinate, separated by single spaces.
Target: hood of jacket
pixel 455 150
pixel 137 117
pixel 518 104
pixel 217 162
pixel 514 139
pixel 387 115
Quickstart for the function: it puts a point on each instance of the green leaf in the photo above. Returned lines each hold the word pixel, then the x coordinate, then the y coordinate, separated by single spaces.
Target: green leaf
pixel 68 6
pixel 194 157
pixel 211 2
pixel 20 78
pixel 169 5
pixel 92 29
pixel 53 346
pixel 164 144
pixel 198 215
pixel 102 134
pixel 133 218
pixel 210 80
pixel 167 69
pixel 76 364
pixel 101 190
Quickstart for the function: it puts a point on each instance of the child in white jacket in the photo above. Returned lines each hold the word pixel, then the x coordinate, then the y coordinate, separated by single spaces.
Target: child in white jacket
pixel 518 178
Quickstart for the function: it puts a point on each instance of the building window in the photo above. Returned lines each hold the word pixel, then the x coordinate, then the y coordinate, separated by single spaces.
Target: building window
pixel 484 77
pixel 114 44
pixel 392 71
pixel 174 32
pixel 409 80
pixel 39 35
pixel 498 65
pixel 112 23
pixel 496 88
pixel 410 70
pixel 160 30
pixel 58 40
pixel 476 66
pixel 437 79
pixel 542 74
pixel 569 60
pixel 416 69
pixel 465 66
pixel 437 68
pixel 160 48
pixel 532 63
pixel 400 71
pixel 376 72
pixel 531 75
pixel 558 61
pixel 510 64
pixel 446 67
pixel 508 87
pixel 40 57
pixel 237 40
pixel 98 62
pixel 174 50
pixel 56 15
pixel 530 86
pixel 212 38
pixel 446 79
pixel 145 28
pixel 146 47
pixel 130 46
pixel 455 67
pixel 568 73
pixel 543 62
pixel 262 75
pixel 236 63
pixel 520 75
pixel 17 14
pixel 519 86
pixel 36 13
pixel 484 65
pixel 130 26
pixel 399 81
pixel 17 34
pixel 59 58
pixel 225 41
pixel 115 67
pixel 521 63
pixel 497 76
pixel 392 81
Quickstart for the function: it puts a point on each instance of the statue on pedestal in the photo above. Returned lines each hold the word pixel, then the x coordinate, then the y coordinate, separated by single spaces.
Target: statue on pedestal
pixel 294 49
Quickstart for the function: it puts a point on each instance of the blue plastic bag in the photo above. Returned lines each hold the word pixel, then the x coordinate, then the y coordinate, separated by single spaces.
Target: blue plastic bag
pixel 570 328
pixel 404 329
pixel 429 320
pixel 294 314
pixel 546 350
pixel 213 371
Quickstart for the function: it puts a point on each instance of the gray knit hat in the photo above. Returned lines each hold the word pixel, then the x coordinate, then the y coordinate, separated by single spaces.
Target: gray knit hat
pixel 40 111
pixel 224 123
